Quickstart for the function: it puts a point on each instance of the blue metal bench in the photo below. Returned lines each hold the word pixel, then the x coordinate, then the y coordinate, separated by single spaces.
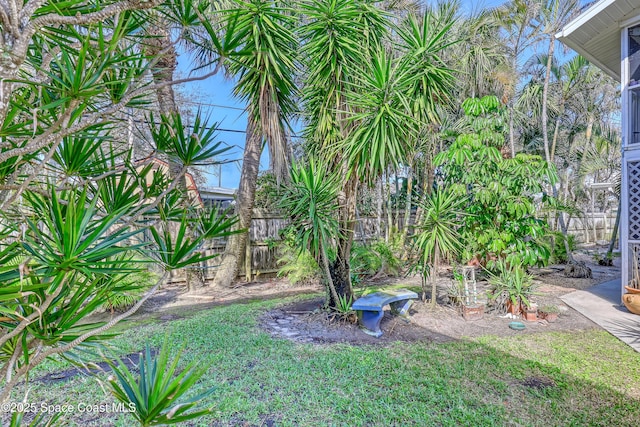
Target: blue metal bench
pixel 369 308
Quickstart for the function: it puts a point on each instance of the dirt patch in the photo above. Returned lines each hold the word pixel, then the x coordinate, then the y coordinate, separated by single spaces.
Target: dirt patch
pixel 554 274
pixel 176 295
pixel 305 322
pixel 539 383
pixel 131 361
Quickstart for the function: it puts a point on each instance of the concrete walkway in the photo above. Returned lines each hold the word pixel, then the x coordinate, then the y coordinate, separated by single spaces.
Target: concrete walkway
pixel 601 304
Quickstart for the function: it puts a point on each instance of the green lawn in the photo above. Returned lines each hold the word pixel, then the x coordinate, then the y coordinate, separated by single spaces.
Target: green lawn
pixel 583 378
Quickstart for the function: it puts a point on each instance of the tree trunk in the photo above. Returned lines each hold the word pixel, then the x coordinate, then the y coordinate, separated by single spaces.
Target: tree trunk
pixel 434 275
pixel 332 295
pixel 407 206
pixel 341 270
pixel 514 65
pixel 228 269
pixel 379 207
pixel 556 131
pixel 562 224
pixel 397 204
pixel 159 46
pixel 7 75
pixel 427 186
pixel 614 233
pixel 389 212
pixel 512 137
pixel 545 96
pixel 275 135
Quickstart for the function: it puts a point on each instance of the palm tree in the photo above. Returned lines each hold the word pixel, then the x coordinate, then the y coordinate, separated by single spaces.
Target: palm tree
pixel 517 19
pixel 365 105
pixel 480 59
pixel 265 71
pixel 568 80
pixel 438 235
pixel 423 44
pixel 339 40
pixel 553 15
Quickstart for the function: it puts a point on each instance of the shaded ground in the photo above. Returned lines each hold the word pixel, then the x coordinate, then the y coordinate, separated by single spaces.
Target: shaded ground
pixel 303 321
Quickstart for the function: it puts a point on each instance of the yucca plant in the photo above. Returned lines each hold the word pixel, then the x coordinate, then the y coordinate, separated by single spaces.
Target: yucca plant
pixel 74 205
pixel 176 249
pixel 40 420
pixel 343 309
pixel 511 284
pixel 154 394
pixel 310 200
pixel 438 235
pixel 265 70
pixel 194 145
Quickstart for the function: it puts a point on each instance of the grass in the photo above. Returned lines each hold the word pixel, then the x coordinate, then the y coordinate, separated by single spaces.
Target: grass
pixel 586 378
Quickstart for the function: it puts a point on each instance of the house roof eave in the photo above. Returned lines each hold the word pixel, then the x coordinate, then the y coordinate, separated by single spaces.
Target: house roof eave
pixel 595 33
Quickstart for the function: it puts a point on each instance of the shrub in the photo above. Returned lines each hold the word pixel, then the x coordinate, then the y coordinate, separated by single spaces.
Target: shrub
pixel 501 206
pixel 380 257
pixel 268 192
pixel 130 288
pixel 154 391
pixel 364 260
pixel 555 241
pixel 298 267
pixel 511 283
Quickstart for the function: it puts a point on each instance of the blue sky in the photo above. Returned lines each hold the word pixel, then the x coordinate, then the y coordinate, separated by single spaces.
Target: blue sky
pixel 215 97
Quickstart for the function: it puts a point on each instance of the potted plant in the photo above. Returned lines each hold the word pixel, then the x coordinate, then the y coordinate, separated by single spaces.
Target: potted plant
pixel 549 313
pixel 511 287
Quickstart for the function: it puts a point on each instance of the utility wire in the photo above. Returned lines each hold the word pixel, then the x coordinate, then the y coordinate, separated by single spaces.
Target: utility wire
pixel 217 129
pixel 228 107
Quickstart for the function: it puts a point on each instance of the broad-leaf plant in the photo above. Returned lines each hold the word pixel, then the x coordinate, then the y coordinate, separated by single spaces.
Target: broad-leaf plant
pixel 503 194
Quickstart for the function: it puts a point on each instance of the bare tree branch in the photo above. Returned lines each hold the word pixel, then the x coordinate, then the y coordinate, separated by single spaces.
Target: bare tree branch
pixel 89 18
pixel 30 8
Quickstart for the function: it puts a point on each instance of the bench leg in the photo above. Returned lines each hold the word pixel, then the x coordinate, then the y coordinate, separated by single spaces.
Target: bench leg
pixel 370 322
pixel 401 308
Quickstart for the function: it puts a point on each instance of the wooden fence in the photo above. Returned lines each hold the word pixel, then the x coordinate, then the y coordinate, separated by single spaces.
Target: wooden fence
pixel 261 257
pixel 262 253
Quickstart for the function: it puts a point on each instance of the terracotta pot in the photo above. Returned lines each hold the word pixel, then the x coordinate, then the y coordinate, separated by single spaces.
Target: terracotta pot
pixel 513 308
pixel 473 312
pixel 530 315
pixel 632 302
pixel 632 290
pixel 549 317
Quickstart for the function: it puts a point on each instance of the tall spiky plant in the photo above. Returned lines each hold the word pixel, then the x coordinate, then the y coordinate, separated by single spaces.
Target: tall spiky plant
pixel 310 200
pixel 358 100
pixel 438 235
